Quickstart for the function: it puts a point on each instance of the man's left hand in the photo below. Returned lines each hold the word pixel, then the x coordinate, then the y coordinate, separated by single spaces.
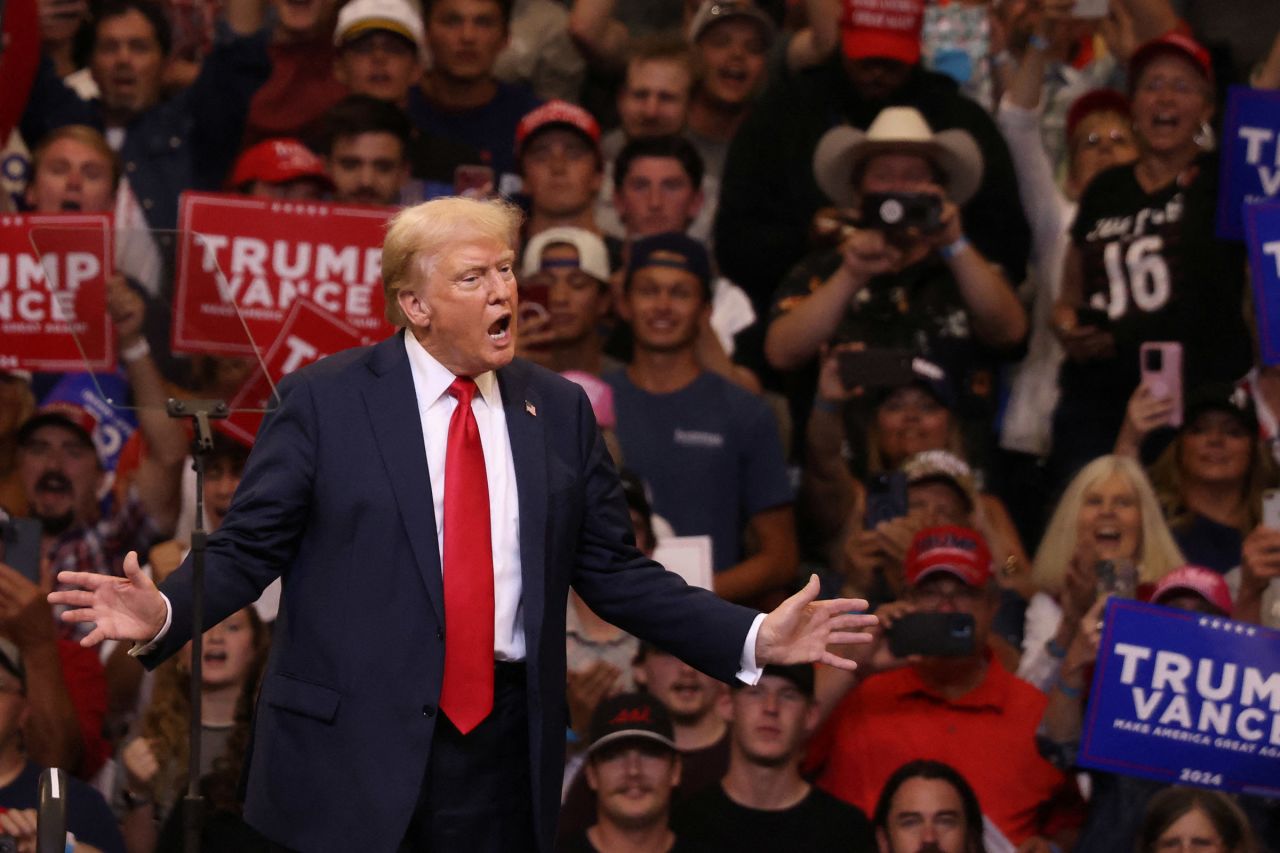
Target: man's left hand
pixel 800 629
pixel 950 227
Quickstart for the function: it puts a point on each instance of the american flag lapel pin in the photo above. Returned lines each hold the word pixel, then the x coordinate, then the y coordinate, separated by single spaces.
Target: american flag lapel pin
pixel 530 408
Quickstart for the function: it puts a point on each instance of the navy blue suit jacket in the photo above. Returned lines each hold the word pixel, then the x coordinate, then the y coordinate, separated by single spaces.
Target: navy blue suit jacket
pixel 336 499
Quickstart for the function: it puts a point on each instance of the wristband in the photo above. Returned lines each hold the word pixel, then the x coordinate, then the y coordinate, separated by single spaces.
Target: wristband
pixel 1038 42
pixel 1067 690
pixel 949 251
pixel 829 406
pixel 136 350
pixel 1055 649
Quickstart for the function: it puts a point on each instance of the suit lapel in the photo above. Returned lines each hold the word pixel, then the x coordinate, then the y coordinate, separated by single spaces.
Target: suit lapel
pixel 397 428
pixel 522 406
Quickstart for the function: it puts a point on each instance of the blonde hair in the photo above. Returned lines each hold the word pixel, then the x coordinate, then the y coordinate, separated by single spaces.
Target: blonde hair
pixel 417 235
pixel 85 135
pixel 1157 552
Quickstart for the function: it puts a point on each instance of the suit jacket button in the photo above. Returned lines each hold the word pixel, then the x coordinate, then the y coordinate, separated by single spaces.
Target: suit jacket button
pixel 428 710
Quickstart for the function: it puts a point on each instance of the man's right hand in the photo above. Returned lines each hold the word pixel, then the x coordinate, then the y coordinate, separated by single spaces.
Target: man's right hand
pixel 876 656
pixel 128 608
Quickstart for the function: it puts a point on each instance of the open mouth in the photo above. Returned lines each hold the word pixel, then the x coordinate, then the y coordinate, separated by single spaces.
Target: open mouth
pixel 1107 536
pixel 688 691
pixel 70 204
pixel 54 483
pixel 737 76
pixel 215 657
pixel 500 328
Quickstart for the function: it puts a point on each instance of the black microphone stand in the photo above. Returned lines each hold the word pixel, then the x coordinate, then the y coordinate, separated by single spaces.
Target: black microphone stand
pixel 200 413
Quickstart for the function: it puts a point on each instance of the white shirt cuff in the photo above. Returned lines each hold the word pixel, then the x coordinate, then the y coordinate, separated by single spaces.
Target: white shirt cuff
pixel 142 649
pixel 750 672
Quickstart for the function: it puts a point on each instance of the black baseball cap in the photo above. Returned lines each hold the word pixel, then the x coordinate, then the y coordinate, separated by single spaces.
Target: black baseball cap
pixel 799 674
pixel 630 716
pixel 1221 397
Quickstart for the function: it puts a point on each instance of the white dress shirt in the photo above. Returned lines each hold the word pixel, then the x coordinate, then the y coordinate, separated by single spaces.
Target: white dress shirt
pixel 431 381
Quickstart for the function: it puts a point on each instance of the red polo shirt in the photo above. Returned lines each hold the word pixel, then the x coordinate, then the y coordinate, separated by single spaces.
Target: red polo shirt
pixel 988 735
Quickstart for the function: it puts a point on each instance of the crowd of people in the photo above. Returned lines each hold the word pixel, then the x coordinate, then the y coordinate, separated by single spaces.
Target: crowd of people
pixel 860 288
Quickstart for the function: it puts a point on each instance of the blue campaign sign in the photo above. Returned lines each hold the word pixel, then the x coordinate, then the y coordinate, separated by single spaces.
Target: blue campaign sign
pixel 1250 156
pixel 1185 698
pixel 1262 223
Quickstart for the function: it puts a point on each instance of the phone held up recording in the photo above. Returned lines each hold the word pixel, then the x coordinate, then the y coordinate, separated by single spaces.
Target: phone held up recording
pixel 1116 577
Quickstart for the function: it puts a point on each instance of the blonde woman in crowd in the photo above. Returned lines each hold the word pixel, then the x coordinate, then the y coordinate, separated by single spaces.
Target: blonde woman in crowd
pixel 1108 512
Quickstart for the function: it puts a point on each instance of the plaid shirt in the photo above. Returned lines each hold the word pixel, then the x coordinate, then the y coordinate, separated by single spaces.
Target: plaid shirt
pixel 100 548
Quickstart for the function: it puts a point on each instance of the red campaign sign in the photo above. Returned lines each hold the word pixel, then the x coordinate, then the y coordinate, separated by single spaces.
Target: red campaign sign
pixel 51 298
pixel 266 256
pixel 309 334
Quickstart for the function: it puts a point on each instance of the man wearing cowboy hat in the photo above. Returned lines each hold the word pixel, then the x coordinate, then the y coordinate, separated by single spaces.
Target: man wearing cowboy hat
pixel 768 195
pixel 921 286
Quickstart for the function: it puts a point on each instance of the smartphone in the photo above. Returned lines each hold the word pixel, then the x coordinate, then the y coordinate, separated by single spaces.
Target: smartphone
pixel 932 635
pixel 473 181
pixel 1160 367
pixel 886 498
pixel 1090 9
pixel 1271 508
pixel 1116 577
pixel 20 545
pixel 1095 317
pixel 876 368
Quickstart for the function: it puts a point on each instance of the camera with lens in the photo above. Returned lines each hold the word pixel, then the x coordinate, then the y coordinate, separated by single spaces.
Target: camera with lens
pixel 901 211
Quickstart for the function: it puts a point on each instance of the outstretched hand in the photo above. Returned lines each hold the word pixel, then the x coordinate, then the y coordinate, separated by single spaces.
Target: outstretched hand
pixel 127 608
pixel 800 629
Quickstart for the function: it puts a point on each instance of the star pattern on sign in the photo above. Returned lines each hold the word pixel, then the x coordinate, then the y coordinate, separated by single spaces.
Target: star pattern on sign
pixel 308 209
pixel 1241 628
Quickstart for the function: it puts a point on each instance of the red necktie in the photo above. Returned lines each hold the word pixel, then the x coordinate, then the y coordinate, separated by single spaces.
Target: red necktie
pixel 467 694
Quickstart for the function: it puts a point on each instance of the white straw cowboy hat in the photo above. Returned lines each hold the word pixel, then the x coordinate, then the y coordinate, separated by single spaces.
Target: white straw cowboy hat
pixel 899 129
